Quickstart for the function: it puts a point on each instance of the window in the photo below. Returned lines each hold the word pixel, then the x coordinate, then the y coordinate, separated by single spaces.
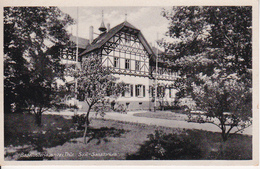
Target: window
pixel 160 91
pixel 139 90
pixel 127 64
pixel 137 65
pixel 160 71
pixel 171 72
pixel 110 89
pixel 143 91
pixel 168 71
pixel 171 93
pixel 116 62
pixel 151 91
pixel 128 91
pixel 132 90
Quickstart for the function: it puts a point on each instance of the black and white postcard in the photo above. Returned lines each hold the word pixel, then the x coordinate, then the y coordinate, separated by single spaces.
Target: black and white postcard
pixel 118 82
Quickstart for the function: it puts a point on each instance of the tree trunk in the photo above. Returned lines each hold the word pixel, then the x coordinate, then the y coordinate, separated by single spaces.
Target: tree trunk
pixel 85 132
pixel 224 134
pixel 225 137
pixel 38 118
pixel 222 150
pixel 86 125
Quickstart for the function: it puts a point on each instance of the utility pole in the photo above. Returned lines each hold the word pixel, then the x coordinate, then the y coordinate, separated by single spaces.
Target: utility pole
pixel 76 62
pixel 156 74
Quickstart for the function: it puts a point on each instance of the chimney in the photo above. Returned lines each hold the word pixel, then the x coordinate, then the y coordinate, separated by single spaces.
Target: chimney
pixel 108 26
pixel 91 34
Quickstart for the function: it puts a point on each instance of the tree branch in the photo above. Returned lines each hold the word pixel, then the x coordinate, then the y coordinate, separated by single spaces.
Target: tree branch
pixel 87 101
pixel 231 127
pixel 242 129
pixel 231 43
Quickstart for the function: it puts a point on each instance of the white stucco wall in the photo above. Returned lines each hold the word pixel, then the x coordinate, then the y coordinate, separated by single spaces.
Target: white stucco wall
pixel 134 80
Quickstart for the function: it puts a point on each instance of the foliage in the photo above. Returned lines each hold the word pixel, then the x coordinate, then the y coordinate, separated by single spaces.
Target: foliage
pixel 220 94
pixel 213 52
pixel 121 108
pixel 161 87
pixel 208 31
pixel 79 121
pixel 94 83
pixel 162 146
pixel 189 103
pixel 101 107
pixel 33 37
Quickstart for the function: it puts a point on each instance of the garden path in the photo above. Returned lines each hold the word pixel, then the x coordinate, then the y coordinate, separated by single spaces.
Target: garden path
pixel 129 117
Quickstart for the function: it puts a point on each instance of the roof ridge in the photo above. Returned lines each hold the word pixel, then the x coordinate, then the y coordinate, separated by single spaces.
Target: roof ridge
pixel 103 38
pixel 82 42
pixel 73 36
pixel 126 23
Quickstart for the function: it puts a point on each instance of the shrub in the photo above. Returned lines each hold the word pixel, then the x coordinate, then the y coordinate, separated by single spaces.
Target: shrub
pixel 79 121
pixel 121 109
pixel 161 146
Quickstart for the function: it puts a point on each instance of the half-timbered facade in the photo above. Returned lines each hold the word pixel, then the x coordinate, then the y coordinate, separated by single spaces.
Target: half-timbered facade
pixel 126 52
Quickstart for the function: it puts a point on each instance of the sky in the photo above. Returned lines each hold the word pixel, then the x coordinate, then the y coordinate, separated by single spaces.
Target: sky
pixel 147 19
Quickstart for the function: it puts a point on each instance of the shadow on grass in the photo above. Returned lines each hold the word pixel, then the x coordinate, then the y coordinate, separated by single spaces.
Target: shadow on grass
pixel 237 147
pixel 162 146
pixel 104 132
pixel 22 136
pixel 40 141
pixel 193 145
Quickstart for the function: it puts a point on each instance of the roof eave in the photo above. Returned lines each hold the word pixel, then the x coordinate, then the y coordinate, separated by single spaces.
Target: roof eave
pixel 120 27
pixel 147 46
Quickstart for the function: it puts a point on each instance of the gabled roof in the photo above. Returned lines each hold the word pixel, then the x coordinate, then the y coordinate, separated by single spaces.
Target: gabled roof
pixel 155 50
pixel 83 43
pixel 104 37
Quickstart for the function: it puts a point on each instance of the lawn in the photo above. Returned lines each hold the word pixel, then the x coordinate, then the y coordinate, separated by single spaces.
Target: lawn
pixel 107 140
pixel 163 115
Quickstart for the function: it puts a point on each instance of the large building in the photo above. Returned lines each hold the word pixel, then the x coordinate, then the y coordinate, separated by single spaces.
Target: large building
pixel 125 50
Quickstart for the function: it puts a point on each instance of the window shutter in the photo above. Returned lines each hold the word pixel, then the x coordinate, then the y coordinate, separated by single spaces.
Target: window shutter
pixel 123 93
pixel 135 90
pixel 170 93
pixel 144 90
pixel 132 92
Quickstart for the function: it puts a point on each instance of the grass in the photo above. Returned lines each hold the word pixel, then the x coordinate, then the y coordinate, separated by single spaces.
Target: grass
pixel 162 115
pixel 107 140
